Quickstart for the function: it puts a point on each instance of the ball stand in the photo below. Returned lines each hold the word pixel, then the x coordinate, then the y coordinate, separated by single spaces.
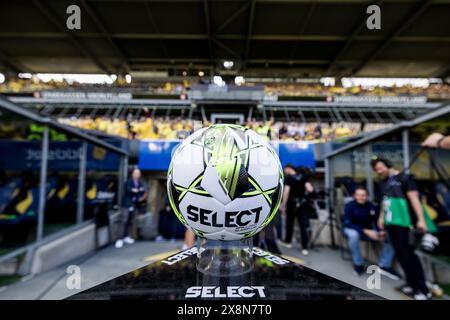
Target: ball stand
pixel 224 258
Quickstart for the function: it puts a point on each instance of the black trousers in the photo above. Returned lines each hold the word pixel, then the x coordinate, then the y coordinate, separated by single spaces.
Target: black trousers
pixel 408 260
pixel 130 213
pixel 266 239
pixel 129 219
pixel 168 223
pixel 293 213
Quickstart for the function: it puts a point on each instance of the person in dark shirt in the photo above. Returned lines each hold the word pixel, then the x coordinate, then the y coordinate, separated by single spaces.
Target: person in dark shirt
pixel 401 211
pixel 167 224
pixel 294 207
pixel 317 132
pixel 134 202
pixel 283 132
pixel 360 223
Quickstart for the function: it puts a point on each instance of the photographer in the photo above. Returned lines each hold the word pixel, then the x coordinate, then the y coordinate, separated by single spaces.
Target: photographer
pixel 295 205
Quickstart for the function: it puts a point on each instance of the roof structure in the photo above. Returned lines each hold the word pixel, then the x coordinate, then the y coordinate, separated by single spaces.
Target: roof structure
pixel 285 38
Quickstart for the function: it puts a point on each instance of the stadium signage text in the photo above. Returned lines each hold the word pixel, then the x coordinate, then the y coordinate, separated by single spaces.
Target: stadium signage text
pixel 232 218
pixel 104 195
pixel 56 154
pixel 380 99
pixel 84 95
pixel 227 92
pixel 228 292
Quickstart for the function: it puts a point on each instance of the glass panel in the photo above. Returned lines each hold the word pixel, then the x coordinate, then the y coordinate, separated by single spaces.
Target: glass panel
pixel 349 170
pixel 102 180
pixel 20 165
pixel 432 170
pixel 62 182
pixel 422 168
pixel 20 151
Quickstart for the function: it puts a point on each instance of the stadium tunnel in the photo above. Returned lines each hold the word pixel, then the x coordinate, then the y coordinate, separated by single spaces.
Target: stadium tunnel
pixel 348 167
pixel 60 191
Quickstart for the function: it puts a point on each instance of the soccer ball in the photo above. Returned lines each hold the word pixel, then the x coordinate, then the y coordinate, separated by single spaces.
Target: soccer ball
pixel 225 182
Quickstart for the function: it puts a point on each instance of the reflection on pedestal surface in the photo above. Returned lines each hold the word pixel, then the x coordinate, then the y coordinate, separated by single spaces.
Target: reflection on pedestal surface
pixel 272 277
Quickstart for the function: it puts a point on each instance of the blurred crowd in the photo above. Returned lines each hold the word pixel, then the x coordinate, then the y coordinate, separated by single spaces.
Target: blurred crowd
pixel 17 85
pixel 143 128
pixel 322 132
pixel 179 128
pixel 433 91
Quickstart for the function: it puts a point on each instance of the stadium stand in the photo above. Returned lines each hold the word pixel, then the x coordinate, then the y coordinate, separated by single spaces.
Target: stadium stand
pixel 440 91
pixel 433 91
pixel 71 144
pixel 178 128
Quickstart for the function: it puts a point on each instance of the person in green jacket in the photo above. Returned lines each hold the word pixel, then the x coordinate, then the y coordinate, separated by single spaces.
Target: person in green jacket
pixel 402 210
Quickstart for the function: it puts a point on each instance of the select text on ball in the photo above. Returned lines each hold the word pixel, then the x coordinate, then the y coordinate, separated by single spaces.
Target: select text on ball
pixel 232 218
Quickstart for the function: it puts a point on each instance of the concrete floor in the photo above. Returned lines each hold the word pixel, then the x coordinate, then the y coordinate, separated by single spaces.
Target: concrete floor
pixel 329 262
pixel 110 262
pixel 101 266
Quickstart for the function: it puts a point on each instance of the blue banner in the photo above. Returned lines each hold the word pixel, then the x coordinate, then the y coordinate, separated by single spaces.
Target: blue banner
pixel 156 154
pixel 62 156
pixel 297 153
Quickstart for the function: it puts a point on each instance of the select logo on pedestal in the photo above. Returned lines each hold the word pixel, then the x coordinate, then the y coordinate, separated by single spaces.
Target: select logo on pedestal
pixel 227 292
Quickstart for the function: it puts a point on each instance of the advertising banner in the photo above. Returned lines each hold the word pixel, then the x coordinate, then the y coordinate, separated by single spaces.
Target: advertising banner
pixel 156 154
pixel 62 156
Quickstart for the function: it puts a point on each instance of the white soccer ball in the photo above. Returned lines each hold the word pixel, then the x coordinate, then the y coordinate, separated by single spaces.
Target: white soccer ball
pixel 225 182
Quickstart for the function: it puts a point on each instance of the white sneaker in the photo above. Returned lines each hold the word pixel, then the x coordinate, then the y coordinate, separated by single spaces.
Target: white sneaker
pixel 305 252
pixel 406 290
pixel 160 239
pixel 422 296
pixel 286 245
pixel 435 290
pixel 119 244
pixel 128 240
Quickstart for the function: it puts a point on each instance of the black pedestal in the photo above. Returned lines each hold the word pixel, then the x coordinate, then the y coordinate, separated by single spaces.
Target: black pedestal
pixel 272 277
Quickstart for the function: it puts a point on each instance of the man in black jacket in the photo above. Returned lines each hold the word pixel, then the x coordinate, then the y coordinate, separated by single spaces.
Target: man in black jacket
pixel 360 223
pixel 134 202
pixel 294 205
